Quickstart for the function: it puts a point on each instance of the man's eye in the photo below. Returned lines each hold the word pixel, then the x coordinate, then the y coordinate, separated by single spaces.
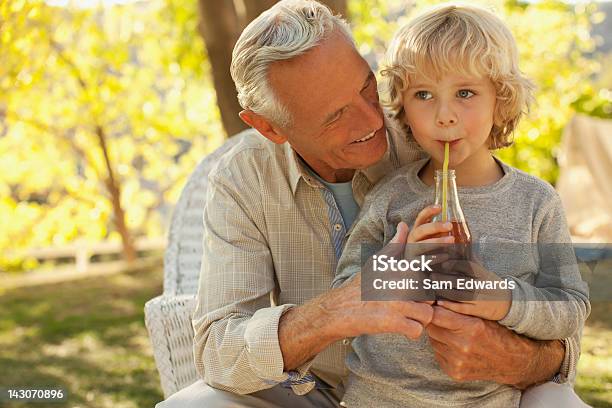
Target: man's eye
pixel 336 117
pixel 367 84
pixel 464 93
pixel 424 95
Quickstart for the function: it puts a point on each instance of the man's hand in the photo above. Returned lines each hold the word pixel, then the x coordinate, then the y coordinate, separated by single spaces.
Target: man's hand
pixel 304 331
pixel 469 349
pixel 490 304
pixel 354 317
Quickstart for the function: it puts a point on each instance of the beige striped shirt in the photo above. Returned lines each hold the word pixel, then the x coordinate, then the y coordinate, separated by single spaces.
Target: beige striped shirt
pixel 269 245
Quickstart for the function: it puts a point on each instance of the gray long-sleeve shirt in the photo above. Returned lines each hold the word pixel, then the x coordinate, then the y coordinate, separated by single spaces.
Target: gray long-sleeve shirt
pixel 389 370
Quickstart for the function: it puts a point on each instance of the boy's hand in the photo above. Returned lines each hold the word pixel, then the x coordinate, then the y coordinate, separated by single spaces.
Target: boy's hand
pixel 490 304
pixel 396 248
pixel 424 232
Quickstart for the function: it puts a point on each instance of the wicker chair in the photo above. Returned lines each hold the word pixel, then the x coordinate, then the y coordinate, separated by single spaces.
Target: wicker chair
pixel 168 317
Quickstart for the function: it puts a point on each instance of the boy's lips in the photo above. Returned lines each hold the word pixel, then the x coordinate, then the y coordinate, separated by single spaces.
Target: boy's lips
pixel 451 143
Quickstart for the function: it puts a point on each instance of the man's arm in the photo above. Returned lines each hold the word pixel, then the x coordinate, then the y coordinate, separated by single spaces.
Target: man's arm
pixel 469 348
pixel 235 343
pixel 306 330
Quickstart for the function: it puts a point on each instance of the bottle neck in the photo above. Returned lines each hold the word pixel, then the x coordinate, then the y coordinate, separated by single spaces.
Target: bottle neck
pixel 453 208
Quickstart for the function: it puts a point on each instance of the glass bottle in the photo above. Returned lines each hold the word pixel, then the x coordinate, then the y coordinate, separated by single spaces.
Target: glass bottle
pixel 454 214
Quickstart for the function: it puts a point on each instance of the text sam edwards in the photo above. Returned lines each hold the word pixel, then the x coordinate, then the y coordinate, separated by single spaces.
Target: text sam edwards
pixel 461 283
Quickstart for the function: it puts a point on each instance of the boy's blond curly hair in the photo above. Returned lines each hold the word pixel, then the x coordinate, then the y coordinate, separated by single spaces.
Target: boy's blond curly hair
pixel 465 39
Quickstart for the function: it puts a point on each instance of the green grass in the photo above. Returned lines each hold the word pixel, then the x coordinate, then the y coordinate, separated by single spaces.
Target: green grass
pixel 88 337
pixel 594 382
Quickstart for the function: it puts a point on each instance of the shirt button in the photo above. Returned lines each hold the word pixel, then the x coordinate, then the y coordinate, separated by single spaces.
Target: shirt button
pixel 346 342
pixel 337 227
pixel 343 404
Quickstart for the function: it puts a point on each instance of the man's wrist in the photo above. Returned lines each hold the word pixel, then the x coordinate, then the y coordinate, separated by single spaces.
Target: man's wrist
pixel 336 310
pixel 303 332
pixel 543 363
pixel 567 365
pixel 330 324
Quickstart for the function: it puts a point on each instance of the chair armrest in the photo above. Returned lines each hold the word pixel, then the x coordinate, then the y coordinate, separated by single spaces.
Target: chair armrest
pixel 168 321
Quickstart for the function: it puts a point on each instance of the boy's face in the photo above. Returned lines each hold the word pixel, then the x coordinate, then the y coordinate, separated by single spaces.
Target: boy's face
pixel 455 108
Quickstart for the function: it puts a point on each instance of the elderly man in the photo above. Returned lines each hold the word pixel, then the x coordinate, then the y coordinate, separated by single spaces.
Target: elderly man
pixel 269 332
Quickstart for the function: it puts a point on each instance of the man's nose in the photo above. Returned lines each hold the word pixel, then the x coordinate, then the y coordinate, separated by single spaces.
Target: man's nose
pixel 371 113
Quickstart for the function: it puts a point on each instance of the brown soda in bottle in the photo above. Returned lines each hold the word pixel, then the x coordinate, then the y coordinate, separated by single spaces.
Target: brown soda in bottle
pixel 461 249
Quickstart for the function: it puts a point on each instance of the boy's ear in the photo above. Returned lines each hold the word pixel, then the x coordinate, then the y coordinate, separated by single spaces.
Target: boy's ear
pixel 262 125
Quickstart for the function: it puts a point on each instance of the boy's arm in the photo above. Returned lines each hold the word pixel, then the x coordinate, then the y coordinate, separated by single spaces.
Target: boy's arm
pixel 546 313
pixel 569 344
pixel 557 305
pixel 544 318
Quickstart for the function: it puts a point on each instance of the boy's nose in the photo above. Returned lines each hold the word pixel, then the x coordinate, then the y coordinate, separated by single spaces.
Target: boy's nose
pixel 446 122
pixel 445 117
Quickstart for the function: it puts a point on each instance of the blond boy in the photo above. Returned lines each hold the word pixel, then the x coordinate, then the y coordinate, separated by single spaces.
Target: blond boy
pixel 452 77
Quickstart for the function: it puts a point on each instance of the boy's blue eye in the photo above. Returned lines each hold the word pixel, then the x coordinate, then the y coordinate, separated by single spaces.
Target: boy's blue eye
pixel 424 95
pixel 464 93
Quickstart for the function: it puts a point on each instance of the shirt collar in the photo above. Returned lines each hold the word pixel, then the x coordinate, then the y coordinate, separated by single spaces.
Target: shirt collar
pixel 297 169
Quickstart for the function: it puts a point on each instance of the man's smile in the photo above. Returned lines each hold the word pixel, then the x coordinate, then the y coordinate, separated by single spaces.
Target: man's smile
pixel 366 138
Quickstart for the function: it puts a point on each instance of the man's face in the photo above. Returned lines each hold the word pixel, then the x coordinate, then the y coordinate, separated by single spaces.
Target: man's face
pixel 331 94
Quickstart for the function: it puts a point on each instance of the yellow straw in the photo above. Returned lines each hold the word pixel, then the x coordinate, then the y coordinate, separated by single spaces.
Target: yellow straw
pixel 444 181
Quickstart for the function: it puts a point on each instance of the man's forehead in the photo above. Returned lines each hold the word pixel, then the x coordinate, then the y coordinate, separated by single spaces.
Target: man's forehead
pixel 319 76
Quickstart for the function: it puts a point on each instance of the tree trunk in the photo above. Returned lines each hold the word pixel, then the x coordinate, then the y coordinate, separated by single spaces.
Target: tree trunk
pixel 112 185
pixel 338 7
pixel 219 27
pixel 255 7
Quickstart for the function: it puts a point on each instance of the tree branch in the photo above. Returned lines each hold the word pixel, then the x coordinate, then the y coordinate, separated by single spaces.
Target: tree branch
pixel 45 127
pixel 73 67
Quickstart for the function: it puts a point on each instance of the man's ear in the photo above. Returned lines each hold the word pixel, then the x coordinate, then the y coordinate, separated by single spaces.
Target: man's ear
pixel 263 126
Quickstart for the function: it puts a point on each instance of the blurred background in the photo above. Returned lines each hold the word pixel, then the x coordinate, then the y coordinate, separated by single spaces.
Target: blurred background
pixel 107 106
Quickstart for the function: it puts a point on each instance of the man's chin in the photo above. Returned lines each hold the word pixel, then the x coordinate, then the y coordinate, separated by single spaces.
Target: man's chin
pixel 374 154
pixel 380 148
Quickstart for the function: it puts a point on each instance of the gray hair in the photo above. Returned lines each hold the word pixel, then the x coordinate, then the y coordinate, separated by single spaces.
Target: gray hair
pixel 288 29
